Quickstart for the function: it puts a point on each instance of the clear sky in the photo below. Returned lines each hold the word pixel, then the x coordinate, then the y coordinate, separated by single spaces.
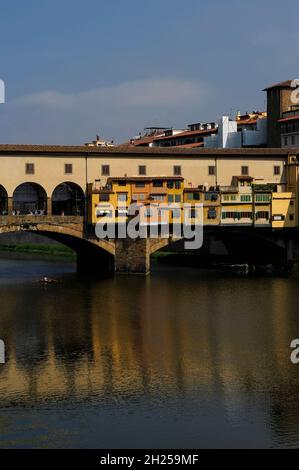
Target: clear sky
pixel 74 69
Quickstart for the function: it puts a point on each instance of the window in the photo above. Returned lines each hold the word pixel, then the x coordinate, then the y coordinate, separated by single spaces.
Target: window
pixel 262 215
pixel 276 170
pixel 212 214
pixel 291 216
pixel 68 168
pixel 176 213
pixel 122 183
pixel 244 170
pixel 170 198
pixel 193 196
pixel 293 140
pixel 105 170
pixel 122 197
pixel 177 185
pixel 212 170
pixel 157 197
pixel 263 198
pixel 138 197
pixel 232 197
pixel 177 198
pixel 211 197
pixel 104 197
pixel 139 184
pixel 29 169
pixel 245 198
pixel 177 170
pixel 158 184
pixel 236 215
pixel 286 141
pixel 142 170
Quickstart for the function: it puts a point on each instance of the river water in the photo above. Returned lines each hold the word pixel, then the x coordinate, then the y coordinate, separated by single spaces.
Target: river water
pixel 183 358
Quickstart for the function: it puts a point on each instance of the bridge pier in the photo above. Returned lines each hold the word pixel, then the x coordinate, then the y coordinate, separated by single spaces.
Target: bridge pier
pixel 9 205
pixel 49 206
pixel 132 256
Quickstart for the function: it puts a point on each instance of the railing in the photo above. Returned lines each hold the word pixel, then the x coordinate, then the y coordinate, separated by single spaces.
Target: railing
pixel 40 219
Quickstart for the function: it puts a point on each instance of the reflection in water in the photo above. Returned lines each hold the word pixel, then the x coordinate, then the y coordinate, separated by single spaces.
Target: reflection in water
pixel 181 358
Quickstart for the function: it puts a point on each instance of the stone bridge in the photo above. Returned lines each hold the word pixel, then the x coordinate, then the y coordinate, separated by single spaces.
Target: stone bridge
pixel 94 256
pixel 101 256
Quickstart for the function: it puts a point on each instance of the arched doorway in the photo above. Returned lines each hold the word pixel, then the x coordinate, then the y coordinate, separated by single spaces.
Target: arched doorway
pixel 68 199
pixel 29 198
pixel 3 200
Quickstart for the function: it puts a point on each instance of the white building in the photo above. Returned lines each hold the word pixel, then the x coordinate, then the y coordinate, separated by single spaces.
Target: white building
pixel 238 134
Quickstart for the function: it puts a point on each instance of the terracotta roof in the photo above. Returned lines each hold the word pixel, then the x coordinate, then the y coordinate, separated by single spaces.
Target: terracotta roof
pixel 191 146
pixel 145 178
pixel 285 84
pixel 290 118
pixel 247 122
pixel 144 140
pixel 82 151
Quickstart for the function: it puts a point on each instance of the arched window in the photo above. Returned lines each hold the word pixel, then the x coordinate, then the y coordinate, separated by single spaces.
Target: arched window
pixel 28 198
pixel 3 201
pixel 68 199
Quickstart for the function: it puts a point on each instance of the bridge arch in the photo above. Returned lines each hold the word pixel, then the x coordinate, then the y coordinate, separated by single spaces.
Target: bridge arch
pixel 28 198
pixel 93 256
pixel 3 200
pixel 68 198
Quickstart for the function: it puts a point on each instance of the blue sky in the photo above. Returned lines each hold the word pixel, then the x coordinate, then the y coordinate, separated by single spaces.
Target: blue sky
pixel 74 69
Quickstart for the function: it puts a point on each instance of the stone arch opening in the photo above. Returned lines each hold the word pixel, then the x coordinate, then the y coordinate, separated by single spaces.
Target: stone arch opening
pixel 68 199
pixel 3 200
pixel 29 198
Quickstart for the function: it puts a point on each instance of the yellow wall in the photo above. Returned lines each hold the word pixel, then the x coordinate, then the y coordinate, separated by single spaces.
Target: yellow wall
pixel 49 169
pixel 284 205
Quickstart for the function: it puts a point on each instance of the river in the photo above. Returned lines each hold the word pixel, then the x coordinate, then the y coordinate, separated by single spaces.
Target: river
pixel 182 358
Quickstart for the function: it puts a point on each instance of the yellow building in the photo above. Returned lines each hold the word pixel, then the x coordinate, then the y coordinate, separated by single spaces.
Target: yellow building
pixel 284 210
pixel 237 202
pixel 210 201
pixel 114 199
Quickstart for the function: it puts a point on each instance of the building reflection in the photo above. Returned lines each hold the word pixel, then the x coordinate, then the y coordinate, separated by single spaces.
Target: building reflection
pixel 162 336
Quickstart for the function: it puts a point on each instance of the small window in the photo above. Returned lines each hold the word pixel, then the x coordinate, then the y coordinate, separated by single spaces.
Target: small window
pixel 122 197
pixel 142 170
pixel 291 217
pixel 293 140
pixel 158 184
pixel 104 197
pixel 170 198
pixel 105 170
pixel 139 184
pixel 277 170
pixel 212 170
pixel 286 141
pixel 68 168
pixel 29 169
pixel 177 198
pixel 244 170
pixel 177 170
